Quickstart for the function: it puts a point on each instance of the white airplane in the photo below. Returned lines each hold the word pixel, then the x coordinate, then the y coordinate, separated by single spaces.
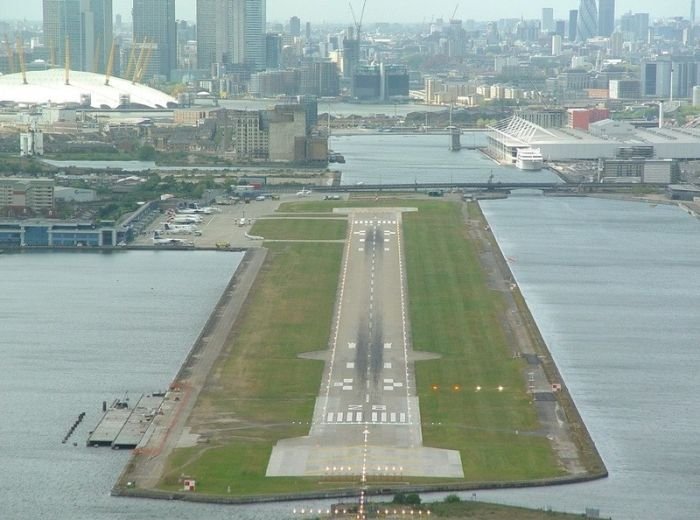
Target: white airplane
pixel 164 241
pixel 181 229
pixel 303 193
pixel 185 219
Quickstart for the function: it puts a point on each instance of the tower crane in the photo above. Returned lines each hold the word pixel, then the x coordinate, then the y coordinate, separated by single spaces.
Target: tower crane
pixel 358 23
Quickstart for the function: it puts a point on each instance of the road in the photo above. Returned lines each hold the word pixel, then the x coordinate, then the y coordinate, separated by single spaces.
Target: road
pixel 367 419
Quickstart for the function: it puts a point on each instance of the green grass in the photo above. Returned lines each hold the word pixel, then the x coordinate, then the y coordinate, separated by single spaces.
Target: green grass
pixel 300 229
pixel 484 511
pixel 453 313
pixel 261 386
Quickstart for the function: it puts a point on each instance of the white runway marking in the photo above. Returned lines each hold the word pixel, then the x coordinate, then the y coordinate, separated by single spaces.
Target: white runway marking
pixel 350 364
pixel 374 417
pixel 360 249
pixel 379 407
pixel 347 380
pixel 387 346
pixel 352 345
pixel 387 365
pixel 347 387
pixel 330 417
pixel 389 388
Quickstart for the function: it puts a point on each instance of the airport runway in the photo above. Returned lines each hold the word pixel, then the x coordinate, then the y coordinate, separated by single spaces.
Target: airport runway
pixel 367 419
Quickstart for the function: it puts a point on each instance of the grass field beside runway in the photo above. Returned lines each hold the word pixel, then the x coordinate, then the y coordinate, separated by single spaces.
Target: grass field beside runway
pixel 300 229
pixel 262 388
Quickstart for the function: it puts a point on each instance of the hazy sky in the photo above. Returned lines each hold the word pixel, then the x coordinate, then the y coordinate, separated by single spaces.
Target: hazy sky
pixel 388 10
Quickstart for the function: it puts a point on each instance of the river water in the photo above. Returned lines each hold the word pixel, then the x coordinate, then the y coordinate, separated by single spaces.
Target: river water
pixel 614 287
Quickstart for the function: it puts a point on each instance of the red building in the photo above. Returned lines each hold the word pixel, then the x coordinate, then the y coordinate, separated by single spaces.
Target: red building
pixel 580 118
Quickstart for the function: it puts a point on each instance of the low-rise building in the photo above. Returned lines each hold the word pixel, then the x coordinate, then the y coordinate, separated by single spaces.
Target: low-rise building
pixel 20 194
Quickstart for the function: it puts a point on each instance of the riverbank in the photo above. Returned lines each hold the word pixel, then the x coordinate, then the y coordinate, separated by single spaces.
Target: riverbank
pixel 165 433
pixel 531 342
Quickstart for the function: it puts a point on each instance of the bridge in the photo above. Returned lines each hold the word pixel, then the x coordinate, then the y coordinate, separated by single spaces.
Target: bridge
pixel 486 186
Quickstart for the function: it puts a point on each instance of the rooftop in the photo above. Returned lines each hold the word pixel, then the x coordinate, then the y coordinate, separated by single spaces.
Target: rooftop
pixel 48 86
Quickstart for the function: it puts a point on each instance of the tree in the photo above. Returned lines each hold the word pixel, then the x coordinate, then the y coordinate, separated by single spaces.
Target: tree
pixel 147 153
pixel 409 499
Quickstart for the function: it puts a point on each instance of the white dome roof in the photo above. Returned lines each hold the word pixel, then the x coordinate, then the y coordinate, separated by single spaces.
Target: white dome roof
pixel 49 86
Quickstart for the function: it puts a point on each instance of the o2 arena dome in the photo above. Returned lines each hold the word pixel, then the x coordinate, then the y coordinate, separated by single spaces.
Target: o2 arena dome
pixel 84 88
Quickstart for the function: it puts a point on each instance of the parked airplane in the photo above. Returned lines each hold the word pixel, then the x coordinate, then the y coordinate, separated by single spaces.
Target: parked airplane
pixel 185 219
pixel 181 229
pixel 165 241
pixel 303 193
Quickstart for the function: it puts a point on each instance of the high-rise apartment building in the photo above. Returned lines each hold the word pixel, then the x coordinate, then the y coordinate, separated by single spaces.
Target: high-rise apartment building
pixel 547 20
pixel 573 24
pixel 231 32
pixel 606 17
pixel 587 20
pixel 154 24
pixel 84 28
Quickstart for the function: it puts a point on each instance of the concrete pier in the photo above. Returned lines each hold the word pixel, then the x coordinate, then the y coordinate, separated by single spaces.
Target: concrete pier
pixel 122 425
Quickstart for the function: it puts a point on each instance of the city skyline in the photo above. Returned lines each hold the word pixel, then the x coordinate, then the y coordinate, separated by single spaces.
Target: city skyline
pixel 395 11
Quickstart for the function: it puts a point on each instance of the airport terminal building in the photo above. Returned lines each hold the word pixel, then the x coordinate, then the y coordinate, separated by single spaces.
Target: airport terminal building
pixel 605 139
pixel 47 233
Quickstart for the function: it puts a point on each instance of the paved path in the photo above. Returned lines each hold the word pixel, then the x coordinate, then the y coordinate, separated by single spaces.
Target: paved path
pixel 167 429
pixel 367 419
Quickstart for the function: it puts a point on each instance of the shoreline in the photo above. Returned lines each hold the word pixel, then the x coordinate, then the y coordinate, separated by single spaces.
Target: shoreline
pixel 582 437
pixel 148 460
pixel 586 450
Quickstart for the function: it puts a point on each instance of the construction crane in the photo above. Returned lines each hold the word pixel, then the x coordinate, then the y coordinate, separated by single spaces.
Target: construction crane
pixel 454 13
pixel 22 64
pixel 358 24
pixel 110 63
pixel 10 55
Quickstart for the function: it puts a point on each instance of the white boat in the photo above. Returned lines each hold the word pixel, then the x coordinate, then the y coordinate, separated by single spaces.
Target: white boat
pixel 529 159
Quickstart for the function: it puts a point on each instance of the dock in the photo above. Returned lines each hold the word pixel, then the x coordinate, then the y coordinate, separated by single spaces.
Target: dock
pixel 122 426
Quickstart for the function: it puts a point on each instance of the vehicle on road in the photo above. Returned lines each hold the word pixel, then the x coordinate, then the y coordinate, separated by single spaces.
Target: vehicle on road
pixel 303 193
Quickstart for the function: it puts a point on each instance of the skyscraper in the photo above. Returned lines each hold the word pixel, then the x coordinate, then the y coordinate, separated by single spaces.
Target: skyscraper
pixel 295 26
pixel 573 24
pixel 606 17
pixel 231 32
pixel 154 23
pixel 692 11
pixel 547 20
pixel 587 20
pixel 87 24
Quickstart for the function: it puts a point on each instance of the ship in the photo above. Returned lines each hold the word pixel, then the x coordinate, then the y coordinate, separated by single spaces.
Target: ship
pixel 529 159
